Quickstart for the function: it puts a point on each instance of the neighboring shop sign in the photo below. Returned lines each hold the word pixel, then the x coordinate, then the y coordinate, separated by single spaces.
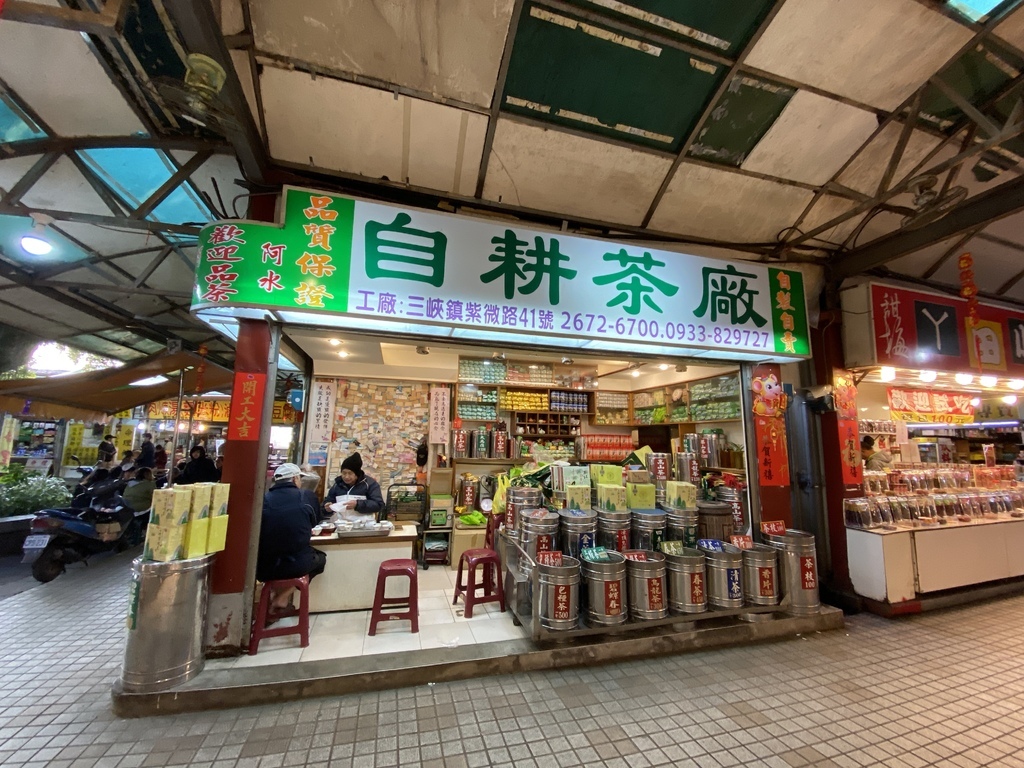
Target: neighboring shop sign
pixel 246 406
pixel 912 329
pixel 844 394
pixel 321 411
pixel 922 406
pixel 8 430
pixel 338 255
pixel 770 426
pixel 124 440
pixel 213 411
pixel 440 408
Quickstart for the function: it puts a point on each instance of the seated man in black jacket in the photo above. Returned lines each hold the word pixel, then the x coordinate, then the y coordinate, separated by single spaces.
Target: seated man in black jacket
pixel 354 482
pixel 288 520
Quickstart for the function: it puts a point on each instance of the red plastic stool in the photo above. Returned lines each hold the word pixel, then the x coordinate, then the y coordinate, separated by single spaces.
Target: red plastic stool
pixel 491 585
pixel 259 624
pixel 389 568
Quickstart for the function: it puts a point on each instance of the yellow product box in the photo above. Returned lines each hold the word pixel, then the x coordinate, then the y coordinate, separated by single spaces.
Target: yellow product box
pixel 171 507
pixel 218 534
pixel 605 474
pixel 164 544
pixel 578 496
pixel 201 495
pixel 680 494
pixel 640 496
pixel 196 534
pixel 219 499
pixel 442 501
pixel 611 497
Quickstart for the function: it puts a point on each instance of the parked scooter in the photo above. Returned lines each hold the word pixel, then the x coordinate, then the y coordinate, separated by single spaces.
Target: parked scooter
pixel 99 520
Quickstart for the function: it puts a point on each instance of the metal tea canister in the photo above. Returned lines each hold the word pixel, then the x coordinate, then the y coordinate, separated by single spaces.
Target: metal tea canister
pixel 724 573
pixel 460 443
pixel 468 492
pixel 681 525
pixel 613 529
pixel 605 587
pixel 559 587
pixel 577 530
pixel 499 444
pixel 517 500
pixel 646 575
pixel 798 564
pixel 538 531
pixel 481 443
pixel 687 580
pixel 714 520
pixel 648 528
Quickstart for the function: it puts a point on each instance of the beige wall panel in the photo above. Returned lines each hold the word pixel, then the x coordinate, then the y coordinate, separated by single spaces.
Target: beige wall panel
pixel 867 169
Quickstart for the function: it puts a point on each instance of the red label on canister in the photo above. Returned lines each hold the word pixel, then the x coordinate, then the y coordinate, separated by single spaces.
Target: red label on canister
pixel 500 444
pixel 468 493
pixel 655 595
pixel 697 588
pixel 612 598
pixel 510 515
pixel 562 595
pixel 808 573
pixel 694 471
pixel 622 540
pixel 658 467
pixel 544 543
pixel 766 582
pixel 459 440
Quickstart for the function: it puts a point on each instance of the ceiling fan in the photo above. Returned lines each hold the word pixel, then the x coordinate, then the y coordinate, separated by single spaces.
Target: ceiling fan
pixel 196 98
pixel 931 204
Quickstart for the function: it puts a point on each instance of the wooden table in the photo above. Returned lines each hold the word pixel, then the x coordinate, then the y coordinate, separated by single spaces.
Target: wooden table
pixel 350 578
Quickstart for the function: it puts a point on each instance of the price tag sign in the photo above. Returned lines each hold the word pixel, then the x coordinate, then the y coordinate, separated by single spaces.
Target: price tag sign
pixel 773 527
pixel 713 544
pixel 743 542
pixel 637 556
pixel 549 558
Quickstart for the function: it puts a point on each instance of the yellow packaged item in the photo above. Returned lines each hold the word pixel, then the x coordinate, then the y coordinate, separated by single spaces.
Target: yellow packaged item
pixel 640 495
pixel 197 533
pixel 171 507
pixel 605 474
pixel 201 494
pixel 680 494
pixel 219 499
pixel 578 496
pixel 164 544
pixel 217 535
pixel 611 497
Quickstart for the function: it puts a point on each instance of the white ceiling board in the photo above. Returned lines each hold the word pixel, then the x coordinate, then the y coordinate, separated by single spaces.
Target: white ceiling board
pixel 51 310
pixel 554 171
pixel 232 18
pixel 965 177
pixel 876 52
pixel 827 208
pixel 240 61
pixel 181 156
pixel 13 169
pixel 712 203
pixel 139 305
pixel 449 48
pixel 362 130
pixel 1010 228
pixel 13 314
pixel 57 75
pixel 917 263
pixel 64 188
pixel 879 225
pixel 1011 29
pixel 105 240
pixel 994 264
pixel 867 169
pixel 172 275
pixel 91 276
pixel 811 140
pixel 1016 291
pixel 223 168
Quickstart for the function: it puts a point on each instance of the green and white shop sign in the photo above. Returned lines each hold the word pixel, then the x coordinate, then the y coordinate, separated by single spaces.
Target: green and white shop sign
pixel 435 272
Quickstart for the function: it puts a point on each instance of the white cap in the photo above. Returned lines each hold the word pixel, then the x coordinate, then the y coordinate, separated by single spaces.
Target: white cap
pixel 287 471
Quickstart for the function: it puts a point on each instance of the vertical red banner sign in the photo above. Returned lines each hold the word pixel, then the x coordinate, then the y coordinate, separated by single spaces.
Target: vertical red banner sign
pixel 844 392
pixel 770 426
pixel 246 406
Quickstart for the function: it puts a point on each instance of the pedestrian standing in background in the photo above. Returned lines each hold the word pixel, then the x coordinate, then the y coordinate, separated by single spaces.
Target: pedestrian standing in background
pixel 146 452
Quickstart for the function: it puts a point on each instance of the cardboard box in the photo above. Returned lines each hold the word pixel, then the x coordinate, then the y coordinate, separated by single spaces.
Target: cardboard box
pixel 605 474
pixel 197 533
pixel 164 544
pixel 577 496
pixel 611 497
pixel 639 476
pixel 201 496
pixel 463 539
pixel 217 536
pixel 171 507
pixel 219 499
pixel 442 501
pixel 680 494
pixel 562 477
pixel 441 481
pixel 640 495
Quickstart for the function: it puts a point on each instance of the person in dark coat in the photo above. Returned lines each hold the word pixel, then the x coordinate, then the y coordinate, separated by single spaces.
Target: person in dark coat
pixel 106 452
pixel 354 482
pixel 147 457
pixel 287 525
pixel 200 469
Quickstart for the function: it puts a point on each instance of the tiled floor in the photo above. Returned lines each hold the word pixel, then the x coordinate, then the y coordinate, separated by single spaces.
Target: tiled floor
pixel 341 635
pixel 943 689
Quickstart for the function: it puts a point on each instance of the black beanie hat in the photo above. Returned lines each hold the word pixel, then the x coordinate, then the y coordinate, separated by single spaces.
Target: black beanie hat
pixel 353 462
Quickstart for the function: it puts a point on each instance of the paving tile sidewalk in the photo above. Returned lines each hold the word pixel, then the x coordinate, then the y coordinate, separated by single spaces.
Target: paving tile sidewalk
pixel 939 689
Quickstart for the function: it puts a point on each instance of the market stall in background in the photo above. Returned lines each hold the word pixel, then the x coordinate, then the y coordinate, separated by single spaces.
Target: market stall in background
pixel 937 390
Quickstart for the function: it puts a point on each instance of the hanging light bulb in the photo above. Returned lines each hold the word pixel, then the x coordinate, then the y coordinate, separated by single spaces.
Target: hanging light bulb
pixel 1010 399
pixel 35 243
pixel 988 381
pixel 975 401
pixel 928 376
pixel 964 379
pixel 888 373
pixel 1015 383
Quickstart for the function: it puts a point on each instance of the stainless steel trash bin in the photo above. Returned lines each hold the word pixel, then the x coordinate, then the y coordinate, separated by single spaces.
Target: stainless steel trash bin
pixel 166 623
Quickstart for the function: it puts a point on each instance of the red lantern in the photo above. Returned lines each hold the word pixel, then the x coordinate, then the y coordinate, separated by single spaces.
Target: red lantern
pixel 966 261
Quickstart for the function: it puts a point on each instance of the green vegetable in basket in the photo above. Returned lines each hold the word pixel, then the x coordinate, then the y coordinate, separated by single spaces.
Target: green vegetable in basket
pixel 473 518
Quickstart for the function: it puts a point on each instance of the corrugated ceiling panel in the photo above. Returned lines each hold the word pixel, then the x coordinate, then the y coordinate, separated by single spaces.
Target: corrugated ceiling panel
pixel 1011 228
pixel 554 171
pixel 917 263
pixel 743 114
pixel 64 188
pixel 825 209
pixel 360 130
pixel 13 169
pixel 873 51
pixel 595 79
pixel 173 275
pixel 722 28
pixel 16 315
pixel 50 309
pixel 450 48
pixel 724 205
pixel 994 264
pixel 867 169
pixel 223 168
pixel 107 241
pixel 1011 28
pixel 811 140
pixel 66 86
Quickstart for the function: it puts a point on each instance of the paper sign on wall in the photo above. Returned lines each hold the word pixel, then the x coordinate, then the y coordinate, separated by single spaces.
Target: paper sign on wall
pixel 440 407
pixel 247 406
pixel 321 411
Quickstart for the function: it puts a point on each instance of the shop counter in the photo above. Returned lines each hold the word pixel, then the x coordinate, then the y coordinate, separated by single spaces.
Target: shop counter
pixel 350 578
pixel 896 566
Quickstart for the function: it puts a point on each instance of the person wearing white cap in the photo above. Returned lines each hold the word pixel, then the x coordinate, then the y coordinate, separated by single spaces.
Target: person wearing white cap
pixel 287 525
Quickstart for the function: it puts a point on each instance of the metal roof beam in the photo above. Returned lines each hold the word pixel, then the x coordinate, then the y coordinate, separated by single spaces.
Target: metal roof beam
pixel 106 221
pixel 152 267
pixel 179 177
pixel 976 212
pixel 107 23
pixel 199 28
pixel 70 145
pixel 34 174
pixel 950 252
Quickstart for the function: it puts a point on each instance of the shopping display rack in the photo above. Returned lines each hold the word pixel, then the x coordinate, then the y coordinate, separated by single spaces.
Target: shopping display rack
pixel 407 503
